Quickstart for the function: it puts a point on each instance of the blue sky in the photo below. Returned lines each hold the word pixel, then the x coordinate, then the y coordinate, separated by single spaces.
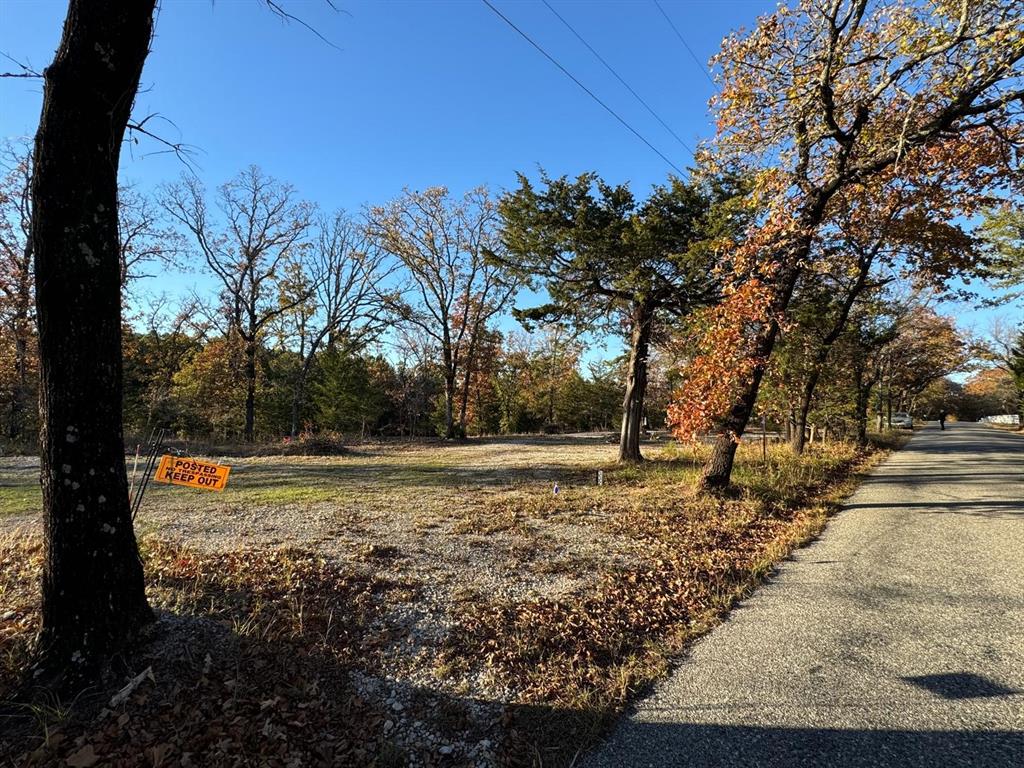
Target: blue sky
pixel 419 94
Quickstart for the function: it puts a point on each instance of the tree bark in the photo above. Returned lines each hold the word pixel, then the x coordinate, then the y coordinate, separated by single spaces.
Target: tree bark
pixel 718 471
pixel 799 437
pixel 636 384
pixel 250 391
pixel 93 593
pixel 449 406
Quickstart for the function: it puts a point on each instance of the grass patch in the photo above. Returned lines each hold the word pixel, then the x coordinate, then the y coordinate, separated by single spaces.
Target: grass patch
pixel 19 499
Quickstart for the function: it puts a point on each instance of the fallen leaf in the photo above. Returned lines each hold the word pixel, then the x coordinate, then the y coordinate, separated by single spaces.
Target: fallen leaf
pixel 83 758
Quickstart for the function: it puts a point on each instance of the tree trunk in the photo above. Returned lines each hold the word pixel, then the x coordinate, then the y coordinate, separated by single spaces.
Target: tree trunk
pixel 93 593
pixel 297 398
pixel 636 385
pixel 806 396
pixel 718 470
pixel 464 404
pixel 881 381
pixel 16 423
pixel 449 406
pixel 250 390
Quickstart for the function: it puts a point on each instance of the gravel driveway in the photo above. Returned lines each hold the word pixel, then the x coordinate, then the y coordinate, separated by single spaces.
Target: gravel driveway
pixel 896 639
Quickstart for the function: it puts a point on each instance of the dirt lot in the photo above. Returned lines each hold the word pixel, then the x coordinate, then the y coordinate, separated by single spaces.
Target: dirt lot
pixel 494 612
pixel 441 514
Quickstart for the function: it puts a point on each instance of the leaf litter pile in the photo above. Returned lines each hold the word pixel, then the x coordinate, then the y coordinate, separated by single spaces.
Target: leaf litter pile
pixel 287 658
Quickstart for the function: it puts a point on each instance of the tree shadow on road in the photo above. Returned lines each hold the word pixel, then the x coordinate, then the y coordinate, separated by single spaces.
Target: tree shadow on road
pixel 702 746
pixel 995 508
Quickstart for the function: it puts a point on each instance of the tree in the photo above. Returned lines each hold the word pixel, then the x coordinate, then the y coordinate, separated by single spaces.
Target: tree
pixel 483 415
pixel 1017 371
pixel 1005 348
pixel 603 256
pixel 453 290
pixel 872 326
pixel 553 361
pixel 942 396
pixel 989 392
pixel 152 359
pixel 263 229
pixel 208 390
pixel 1003 234
pixel 344 392
pixel 903 234
pixel 925 349
pixel 142 238
pixel 823 98
pixel 140 241
pixel 333 294
pixel 93 594
pixel 17 295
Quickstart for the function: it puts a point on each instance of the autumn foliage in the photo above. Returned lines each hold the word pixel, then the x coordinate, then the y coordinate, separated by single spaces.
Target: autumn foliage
pixel 721 362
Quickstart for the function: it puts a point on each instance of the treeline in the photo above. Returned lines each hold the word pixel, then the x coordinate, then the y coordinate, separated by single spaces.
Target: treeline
pixel 195 386
pixel 387 323
pixel 790 276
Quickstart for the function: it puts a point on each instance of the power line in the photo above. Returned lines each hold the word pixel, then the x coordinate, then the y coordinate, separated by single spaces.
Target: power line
pixel 686 45
pixel 618 77
pixel 589 92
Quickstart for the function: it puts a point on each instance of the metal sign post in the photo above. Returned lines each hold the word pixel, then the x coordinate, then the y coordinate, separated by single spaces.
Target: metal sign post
pixel 764 439
pixel 156 442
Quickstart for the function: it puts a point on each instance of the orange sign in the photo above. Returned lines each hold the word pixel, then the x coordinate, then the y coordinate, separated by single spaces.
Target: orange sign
pixel 193 473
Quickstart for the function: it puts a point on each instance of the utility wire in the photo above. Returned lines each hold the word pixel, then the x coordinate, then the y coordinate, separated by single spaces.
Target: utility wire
pixel 589 92
pixel 686 45
pixel 618 77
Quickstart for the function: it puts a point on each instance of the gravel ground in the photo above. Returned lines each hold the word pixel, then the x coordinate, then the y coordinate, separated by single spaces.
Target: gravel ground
pixel 897 639
pixel 435 517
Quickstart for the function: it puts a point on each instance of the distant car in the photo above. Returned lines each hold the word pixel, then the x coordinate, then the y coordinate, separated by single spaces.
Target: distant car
pixel 902 420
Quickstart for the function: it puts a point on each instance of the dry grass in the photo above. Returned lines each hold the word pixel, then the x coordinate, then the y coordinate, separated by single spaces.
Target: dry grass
pixel 574 660
pixel 509 623
pixel 1016 429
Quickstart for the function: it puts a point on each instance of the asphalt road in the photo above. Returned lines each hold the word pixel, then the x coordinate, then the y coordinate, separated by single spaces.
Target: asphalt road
pixel 896 639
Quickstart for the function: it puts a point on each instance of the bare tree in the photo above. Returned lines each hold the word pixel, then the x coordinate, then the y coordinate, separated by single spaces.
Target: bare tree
pixel 140 241
pixel 454 290
pixel 17 311
pixel 334 293
pixel 143 238
pixel 263 229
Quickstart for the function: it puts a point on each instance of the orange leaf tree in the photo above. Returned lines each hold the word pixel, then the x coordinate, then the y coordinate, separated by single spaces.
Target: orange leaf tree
pixel 845 95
